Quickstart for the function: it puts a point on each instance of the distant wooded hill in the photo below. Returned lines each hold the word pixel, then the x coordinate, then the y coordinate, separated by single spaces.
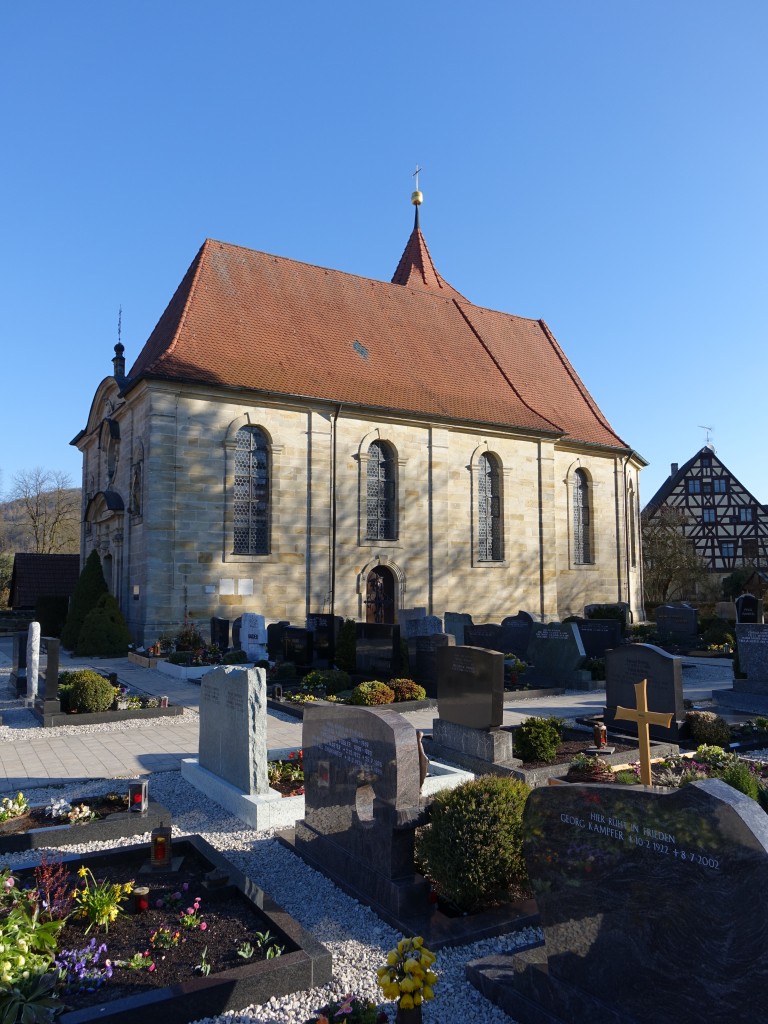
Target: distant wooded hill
pixel 47 522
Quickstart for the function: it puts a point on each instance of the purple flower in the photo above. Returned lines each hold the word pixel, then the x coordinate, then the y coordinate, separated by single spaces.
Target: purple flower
pixel 185 886
pixel 159 904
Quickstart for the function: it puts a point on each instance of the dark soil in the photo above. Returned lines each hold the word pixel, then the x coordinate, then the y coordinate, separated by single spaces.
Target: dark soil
pixel 102 806
pixel 570 747
pixel 288 788
pixel 230 921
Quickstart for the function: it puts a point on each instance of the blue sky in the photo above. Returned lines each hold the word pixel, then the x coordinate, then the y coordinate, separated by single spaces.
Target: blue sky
pixel 602 165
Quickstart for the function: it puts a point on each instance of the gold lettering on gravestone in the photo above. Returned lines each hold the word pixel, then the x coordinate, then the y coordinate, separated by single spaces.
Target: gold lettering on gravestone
pixel 644 718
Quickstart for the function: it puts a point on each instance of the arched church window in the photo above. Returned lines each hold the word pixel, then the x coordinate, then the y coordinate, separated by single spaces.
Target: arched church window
pixel 582 547
pixel 136 487
pixel 489 508
pixel 381 522
pixel 251 492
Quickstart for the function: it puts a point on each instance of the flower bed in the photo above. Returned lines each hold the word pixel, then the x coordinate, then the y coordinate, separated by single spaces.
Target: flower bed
pixel 206 940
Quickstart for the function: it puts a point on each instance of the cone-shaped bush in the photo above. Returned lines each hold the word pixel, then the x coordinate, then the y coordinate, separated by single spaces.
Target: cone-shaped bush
pixel 104 632
pixel 88 589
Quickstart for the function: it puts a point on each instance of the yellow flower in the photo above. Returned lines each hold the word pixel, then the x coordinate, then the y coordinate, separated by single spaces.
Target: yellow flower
pixel 391 990
pixel 427 992
pixel 406 1002
pixel 383 972
pixel 411 965
pixel 401 946
pixel 82 871
pixel 407 985
pixel 418 941
pixel 430 977
pixel 417 1000
pixel 392 958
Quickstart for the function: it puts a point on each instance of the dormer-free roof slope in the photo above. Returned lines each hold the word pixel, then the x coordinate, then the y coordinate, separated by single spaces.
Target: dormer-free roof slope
pixel 248 320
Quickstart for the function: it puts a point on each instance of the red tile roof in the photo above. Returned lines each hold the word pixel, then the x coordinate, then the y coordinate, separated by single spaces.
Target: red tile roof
pixel 245 319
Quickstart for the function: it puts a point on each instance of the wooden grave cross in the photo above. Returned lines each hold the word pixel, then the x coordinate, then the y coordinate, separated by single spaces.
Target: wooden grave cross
pixel 643 717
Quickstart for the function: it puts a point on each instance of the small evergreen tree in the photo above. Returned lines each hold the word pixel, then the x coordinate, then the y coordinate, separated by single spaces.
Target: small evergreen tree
pixel 88 589
pixel 104 632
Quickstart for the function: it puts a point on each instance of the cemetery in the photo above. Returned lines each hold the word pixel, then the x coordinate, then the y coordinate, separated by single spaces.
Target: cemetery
pixel 646 792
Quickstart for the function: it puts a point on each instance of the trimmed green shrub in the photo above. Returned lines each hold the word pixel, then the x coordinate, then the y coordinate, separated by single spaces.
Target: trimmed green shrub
pixel 709 728
pixel 328 680
pixel 537 739
pixel 719 632
pixel 407 689
pixel 104 632
pixel 63 695
pixel 286 670
pixel 372 692
pixel 234 657
pixel 87 691
pixel 90 586
pixel 180 657
pixel 472 848
pixel 346 646
pixel 738 775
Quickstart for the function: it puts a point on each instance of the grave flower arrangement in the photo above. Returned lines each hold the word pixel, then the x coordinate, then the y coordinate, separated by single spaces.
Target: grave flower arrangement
pixel 13 808
pixel 407 976
pixel 288 775
pixel 349 1010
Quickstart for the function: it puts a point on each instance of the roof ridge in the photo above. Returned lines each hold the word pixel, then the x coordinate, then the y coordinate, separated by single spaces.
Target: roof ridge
pixel 416 263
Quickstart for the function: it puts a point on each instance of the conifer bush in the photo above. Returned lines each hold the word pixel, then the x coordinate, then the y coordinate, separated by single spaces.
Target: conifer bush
pixel 87 691
pixel 371 693
pixel 346 646
pixel 537 739
pixel 90 586
pixel 104 632
pixel 472 848
pixel 707 727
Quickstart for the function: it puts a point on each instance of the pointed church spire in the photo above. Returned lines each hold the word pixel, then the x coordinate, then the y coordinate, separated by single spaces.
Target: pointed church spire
pixel 416 269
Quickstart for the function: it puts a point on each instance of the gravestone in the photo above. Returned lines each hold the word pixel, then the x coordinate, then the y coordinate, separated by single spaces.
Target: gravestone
pixel 749 694
pixel 726 610
pixel 377 649
pixel 484 634
pixel 253 636
pixel 749 609
pixel 424 625
pixel 362 805
pixel 455 623
pixel 556 654
pixel 422 659
pixel 19 662
pixel 275 631
pixel 516 634
pixel 233 727
pixel 653 905
pixel 404 615
pixel 677 623
pixel 624 667
pixel 470 705
pixel 598 611
pixel 324 629
pixel 220 633
pixel 33 659
pixel 298 646
pixel 599 635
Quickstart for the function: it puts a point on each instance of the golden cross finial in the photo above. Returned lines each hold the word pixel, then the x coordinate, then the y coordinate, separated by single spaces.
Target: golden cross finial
pixel 643 717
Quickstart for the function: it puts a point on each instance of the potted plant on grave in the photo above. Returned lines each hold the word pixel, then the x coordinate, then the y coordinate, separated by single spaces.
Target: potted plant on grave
pixel 513 668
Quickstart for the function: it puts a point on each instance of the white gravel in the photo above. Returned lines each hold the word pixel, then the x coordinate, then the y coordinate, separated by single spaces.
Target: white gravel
pixel 356 937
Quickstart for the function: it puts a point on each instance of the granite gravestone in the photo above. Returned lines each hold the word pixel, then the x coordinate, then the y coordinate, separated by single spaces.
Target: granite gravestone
pixel 654 907
pixel 556 654
pixel 425 625
pixel 233 727
pixel 599 635
pixel 253 636
pixel 361 778
pixel 455 623
pixel 422 659
pixel 33 659
pixel 470 705
pixel 220 633
pixel 19 663
pixel 485 634
pixel 749 609
pixel 404 615
pixel 275 631
pixel 605 611
pixel 324 629
pixel 677 623
pixel 516 634
pixel 625 666
pixel 750 694
pixel 298 646
pixel 377 649
pixel 726 610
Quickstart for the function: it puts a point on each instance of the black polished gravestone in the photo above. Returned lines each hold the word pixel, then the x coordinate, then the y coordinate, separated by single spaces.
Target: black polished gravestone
pixel 220 633
pixel 516 634
pixel 599 635
pixel 275 632
pixel 484 634
pixel 324 629
pixel 750 692
pixel 630 664
pixel 677 623
pixel 422 659
pixel 362 804
pixel 298 646
pixel 19 664
pixel 653 904
pixel 377 649
pixel 556 655
pixel 47 703
pixel 749 609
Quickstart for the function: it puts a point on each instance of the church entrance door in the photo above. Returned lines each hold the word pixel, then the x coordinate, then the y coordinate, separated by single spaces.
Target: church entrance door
pixel 380 595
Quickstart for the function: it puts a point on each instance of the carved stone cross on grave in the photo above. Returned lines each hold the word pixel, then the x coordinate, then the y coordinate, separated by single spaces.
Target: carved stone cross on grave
pixel 644 718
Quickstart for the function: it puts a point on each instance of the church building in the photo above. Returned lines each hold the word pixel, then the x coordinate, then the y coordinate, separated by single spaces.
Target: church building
pixel 295 440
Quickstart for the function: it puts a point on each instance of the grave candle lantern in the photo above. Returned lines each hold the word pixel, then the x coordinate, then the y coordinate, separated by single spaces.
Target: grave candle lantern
pixel 160 856
pixel 600 734
pixel 141 899
pixel 138 796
